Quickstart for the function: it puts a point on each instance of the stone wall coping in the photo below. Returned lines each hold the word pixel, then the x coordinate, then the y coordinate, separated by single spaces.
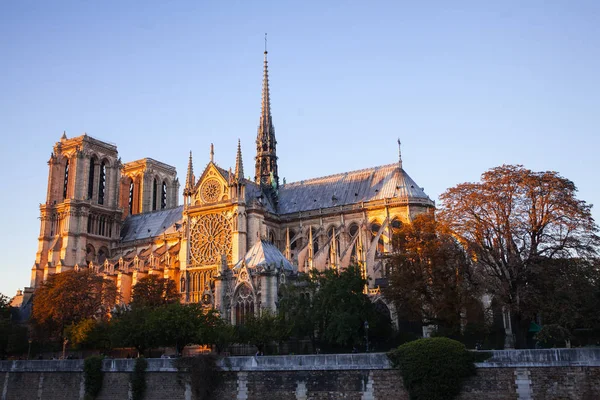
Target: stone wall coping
pixel 580 357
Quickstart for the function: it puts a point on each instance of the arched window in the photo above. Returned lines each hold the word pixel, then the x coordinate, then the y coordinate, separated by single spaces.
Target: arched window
pixel 244 304
pixel 90 193
pixel 337 237
pixel 131 192
pixel 315 242
pixel 66 183
pixel 154 194
pixel 102 183
pixel 353 229
pixel 90 253
pixel 163 197
pixel 375 228
pixel 294 244
pixel 102 255
pixel 396 227
pixel 271 237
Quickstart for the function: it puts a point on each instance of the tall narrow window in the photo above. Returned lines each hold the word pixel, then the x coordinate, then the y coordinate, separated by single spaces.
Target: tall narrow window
pixel 91 178
pixel 66 179
pixel 163 197
pixel 154 194
pixel 131 192
pixel 102 183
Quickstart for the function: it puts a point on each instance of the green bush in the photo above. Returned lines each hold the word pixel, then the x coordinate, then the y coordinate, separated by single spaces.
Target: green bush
pixel 93 375
pixel 204 374
pixel 138 379
pixel 553 335
pixel 434 368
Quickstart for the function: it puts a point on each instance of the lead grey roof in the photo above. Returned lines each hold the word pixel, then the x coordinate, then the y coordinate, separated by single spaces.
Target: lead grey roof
pixel 152 224
pixel 386 181
pixel 264 254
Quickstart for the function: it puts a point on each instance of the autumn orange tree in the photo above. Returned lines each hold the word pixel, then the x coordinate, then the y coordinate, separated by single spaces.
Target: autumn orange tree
pixel 154 291
pixel 67 299
pixel 512 220
pixel 431 279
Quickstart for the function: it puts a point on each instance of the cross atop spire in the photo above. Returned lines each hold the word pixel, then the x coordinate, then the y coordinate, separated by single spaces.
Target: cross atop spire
pixel 266 156
pixel 399 154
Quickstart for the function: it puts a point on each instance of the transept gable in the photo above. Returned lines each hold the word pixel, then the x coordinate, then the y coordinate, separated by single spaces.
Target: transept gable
pixel 212 187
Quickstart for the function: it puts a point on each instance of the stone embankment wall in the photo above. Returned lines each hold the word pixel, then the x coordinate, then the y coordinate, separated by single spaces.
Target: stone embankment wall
pixel 515 374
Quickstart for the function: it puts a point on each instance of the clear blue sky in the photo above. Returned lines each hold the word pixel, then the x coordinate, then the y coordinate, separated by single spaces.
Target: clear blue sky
pixel 466 86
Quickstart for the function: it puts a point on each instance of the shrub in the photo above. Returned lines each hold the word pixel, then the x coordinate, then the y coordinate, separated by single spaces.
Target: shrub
pixel 93 375
pixel 553 335
pixel 204 374
pixel 138 379
pixel 433 368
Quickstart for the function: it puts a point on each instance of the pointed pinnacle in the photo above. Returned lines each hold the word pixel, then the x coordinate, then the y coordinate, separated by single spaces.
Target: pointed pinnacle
pixel 239 164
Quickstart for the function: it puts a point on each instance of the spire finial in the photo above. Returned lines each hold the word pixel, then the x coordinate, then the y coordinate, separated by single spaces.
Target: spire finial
pixel 212 152
pixel 265 43
pixel 399 153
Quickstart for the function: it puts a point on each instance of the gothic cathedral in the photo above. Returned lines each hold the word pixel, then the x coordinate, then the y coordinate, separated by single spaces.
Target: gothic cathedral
pixel 234 240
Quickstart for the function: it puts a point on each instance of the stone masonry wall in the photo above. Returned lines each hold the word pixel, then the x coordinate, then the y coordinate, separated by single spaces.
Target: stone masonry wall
pixel 562 375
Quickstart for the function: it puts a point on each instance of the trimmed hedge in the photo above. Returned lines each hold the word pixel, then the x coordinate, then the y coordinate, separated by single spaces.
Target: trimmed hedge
pixel 434 368
pixel 138 379
pixel 93 376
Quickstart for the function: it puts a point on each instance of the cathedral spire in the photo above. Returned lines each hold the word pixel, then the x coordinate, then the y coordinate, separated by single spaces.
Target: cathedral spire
pixel 266 156
pixel 239 164
pixel 189 178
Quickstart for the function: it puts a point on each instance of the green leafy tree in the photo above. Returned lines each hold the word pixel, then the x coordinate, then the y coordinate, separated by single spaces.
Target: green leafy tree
pixel 264 329
pixel 178 325
pixel 512 219
pixel 131 327
pixel 331 308
pixel 6 325
pixel 69 298
pixel 218 332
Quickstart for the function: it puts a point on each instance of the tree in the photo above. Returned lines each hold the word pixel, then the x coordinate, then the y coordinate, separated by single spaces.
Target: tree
pixel 431 279
pixel 512 219
pixel 153 291
pixel 68 298
pixel 264 329
pixel 565 292
pixel 178 325
pixel 332 304
pixel 130 327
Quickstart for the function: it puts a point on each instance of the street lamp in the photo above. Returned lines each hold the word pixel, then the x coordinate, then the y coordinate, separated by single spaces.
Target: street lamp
pixel 64 347
pixel 367 334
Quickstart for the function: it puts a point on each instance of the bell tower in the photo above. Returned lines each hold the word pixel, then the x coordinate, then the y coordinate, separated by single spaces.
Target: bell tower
pixel 80 219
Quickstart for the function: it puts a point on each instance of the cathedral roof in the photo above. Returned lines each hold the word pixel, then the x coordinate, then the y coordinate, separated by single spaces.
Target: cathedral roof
pixel 152 224
pixel 376 183
pixel 264 254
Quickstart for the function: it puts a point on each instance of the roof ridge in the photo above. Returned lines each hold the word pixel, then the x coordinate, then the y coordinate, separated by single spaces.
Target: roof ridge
pixel 343 173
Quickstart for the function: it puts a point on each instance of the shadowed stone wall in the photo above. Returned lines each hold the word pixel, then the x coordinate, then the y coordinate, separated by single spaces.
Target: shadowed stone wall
pixel 514 374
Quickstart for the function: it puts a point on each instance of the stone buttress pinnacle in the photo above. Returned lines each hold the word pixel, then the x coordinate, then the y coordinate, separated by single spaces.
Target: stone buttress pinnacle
pixel 189 178
pixel 239 164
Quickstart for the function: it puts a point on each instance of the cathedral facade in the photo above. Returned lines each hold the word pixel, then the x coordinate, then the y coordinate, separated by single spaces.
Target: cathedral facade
pixel 234 240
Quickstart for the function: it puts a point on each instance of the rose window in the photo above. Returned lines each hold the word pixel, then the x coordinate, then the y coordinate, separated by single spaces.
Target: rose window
pixel 210 238
pixel 211 190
